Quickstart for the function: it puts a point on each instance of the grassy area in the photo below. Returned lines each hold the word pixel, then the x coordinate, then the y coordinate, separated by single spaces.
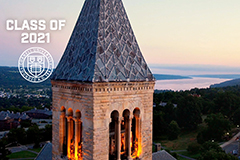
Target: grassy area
pixel 195 156
pixel 36 149
pixel 181 158
pixel 184 139
pixel 22 154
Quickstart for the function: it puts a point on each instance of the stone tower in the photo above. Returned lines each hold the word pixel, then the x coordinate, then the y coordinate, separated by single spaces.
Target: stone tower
pixel 102 89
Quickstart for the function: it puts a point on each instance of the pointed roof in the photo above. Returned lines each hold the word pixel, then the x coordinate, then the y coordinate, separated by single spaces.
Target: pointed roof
pixel 102 47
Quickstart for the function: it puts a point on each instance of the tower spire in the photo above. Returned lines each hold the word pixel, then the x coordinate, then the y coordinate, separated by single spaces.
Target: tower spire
pixel 102 47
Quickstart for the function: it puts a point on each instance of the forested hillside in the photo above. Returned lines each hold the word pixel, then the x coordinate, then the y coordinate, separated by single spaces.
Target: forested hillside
pixel 233 82
pixel 192 106
pixel 11 78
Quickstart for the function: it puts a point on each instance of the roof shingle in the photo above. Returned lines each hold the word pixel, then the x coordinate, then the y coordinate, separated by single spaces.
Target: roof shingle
pixel 102 47
pixel 162 155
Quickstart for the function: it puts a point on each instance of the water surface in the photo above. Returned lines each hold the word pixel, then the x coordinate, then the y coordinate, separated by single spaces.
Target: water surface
pixel 187 84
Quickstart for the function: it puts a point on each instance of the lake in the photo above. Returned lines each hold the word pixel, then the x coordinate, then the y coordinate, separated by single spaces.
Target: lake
pixel 187 84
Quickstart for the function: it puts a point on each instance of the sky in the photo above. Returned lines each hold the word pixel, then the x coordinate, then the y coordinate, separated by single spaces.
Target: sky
pixel 175 36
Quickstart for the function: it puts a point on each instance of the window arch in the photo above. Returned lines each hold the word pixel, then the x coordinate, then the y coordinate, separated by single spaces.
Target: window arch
pixel 136 140
pixel 70 134
pixel 114 136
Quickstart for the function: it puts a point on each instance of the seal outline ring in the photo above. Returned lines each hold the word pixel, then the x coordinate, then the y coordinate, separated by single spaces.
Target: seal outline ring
pixel 26 75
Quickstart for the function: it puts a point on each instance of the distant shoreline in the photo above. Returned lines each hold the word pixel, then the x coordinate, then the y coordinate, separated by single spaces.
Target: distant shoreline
pixel 187 84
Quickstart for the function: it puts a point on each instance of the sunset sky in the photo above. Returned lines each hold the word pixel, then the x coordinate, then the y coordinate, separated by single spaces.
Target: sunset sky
pixel 186 35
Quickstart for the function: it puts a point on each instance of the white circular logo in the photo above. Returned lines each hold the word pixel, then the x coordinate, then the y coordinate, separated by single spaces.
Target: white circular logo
pixel 35 64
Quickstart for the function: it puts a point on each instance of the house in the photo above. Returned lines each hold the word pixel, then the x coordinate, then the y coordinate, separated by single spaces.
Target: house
pixel 9 120
pixel 39 113
pixel 162 155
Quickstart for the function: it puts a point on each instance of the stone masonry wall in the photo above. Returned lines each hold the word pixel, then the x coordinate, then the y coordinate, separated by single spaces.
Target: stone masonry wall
pixel 96 101
pixel 74 96
pixel 120 96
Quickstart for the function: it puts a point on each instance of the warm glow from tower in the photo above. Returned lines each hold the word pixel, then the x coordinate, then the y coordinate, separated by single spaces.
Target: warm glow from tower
pixel 139 150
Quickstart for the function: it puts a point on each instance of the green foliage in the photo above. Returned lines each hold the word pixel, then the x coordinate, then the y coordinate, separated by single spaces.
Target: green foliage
pixel 174 154
pixel 33 135
pixel 212 151
pixel 22 154
pixel 193 148
pixel 169 112
pixel 47 133
pixel 191 105
pixel 17 135
pixel 173 130
pixel 203 136
pixel 217 126
pixel 11 82
pixel 226 103
pixel 11 78
pixel 208 145
pixel 188 112
pixel 236 115
pixel 213 155
pixel 25 123
pixel 159 125
pixel 4 152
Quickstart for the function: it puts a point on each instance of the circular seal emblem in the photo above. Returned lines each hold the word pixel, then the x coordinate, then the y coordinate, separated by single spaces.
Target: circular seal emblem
pixel 35 64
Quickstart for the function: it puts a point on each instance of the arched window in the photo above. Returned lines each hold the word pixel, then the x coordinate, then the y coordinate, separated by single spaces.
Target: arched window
pixel 70 134
pixel 126 132
pixel 114 136
pixel 63 131
pixel 136 134
pixel 78 135
pixel 70 131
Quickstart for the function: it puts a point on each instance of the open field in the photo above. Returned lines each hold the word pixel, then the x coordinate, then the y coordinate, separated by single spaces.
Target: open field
pixel 22 154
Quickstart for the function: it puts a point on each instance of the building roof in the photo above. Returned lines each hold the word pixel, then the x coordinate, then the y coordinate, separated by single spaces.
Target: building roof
pixel 45 153
pixel 40 111
pixel 162 155
pixel 11 115
pixel 102 47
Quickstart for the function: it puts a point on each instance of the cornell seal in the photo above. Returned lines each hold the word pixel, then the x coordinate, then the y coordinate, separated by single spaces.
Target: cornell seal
pixel 35 64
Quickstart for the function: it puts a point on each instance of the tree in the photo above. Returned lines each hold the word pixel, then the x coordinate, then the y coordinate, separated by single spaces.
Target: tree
pixel 173 130
pixel 203 136
pixel 17 135
pixel 210 146
pixel 169 112
pixel 188 112
pixel 212 151
pixel 3 151
pixel 213 155
pixel 193 148
pixel 25 123
pixel 217 126
pixel 48 132
pixel 33 135
pixel 236 115
pixel 159 125
pixel 226 103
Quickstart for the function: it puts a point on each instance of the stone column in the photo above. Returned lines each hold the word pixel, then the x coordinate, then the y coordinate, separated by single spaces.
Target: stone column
pixel 137 146
pixel 126 134
pixel 118 141
pixel 116 135
pixel 69 118
pixel 62 130
pixel 138 130
pixel 129 139
pixel 77 137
